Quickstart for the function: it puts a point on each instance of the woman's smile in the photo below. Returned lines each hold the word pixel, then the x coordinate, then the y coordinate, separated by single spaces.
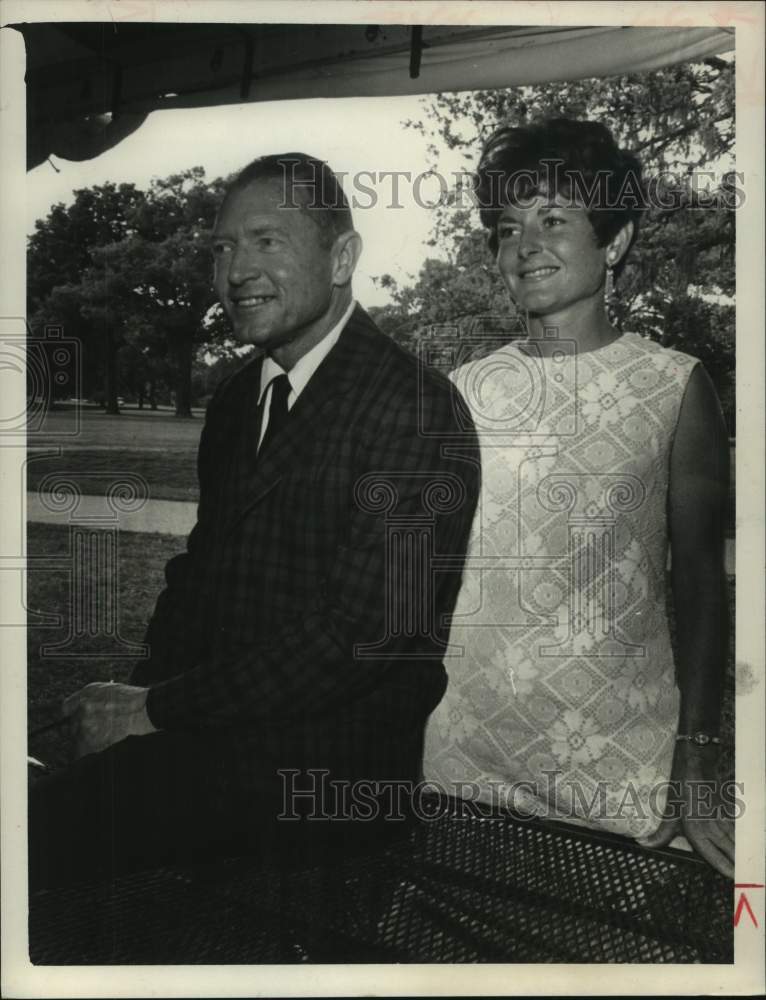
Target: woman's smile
pixel 538 273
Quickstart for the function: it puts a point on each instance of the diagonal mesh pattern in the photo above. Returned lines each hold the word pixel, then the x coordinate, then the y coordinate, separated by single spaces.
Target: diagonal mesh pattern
pixel 479 889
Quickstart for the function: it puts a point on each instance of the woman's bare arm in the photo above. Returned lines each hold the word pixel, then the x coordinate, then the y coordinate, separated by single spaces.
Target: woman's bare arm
pixel 699 475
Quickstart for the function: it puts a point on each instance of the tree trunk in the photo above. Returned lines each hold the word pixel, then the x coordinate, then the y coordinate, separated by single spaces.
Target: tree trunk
pixel 183 365
pixel 110 373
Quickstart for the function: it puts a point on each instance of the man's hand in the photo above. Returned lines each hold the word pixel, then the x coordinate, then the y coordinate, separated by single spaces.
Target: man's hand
pixel 102 714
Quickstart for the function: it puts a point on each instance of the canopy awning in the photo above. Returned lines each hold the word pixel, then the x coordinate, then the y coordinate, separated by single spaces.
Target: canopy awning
pixel 91 84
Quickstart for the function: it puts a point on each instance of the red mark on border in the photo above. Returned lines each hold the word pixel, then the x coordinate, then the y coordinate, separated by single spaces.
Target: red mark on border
pixel 743 903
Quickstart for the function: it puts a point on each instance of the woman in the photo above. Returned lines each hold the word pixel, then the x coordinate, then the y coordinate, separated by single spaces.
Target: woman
pixel 598 450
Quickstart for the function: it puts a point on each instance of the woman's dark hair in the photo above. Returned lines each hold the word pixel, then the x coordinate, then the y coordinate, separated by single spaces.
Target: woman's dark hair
pixel 577 159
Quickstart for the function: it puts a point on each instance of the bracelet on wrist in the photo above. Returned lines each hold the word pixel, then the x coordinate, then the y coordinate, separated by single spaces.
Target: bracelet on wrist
pixel 697 739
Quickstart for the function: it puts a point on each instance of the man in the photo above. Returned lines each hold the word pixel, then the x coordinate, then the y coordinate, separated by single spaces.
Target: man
pixel 297 647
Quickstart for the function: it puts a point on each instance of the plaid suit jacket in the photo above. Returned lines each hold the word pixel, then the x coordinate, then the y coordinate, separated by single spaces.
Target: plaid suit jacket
pixel 307 609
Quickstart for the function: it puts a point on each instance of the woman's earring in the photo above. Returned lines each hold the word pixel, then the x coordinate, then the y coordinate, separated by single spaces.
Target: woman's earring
pixel 609 283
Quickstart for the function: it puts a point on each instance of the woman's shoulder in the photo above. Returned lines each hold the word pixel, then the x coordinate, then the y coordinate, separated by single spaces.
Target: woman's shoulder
pixel 649 354
pixel 500 359
pixel 490 381
pixel 654 352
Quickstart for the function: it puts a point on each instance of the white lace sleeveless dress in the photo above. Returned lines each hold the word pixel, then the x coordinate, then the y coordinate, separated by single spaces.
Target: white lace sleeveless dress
pixel 563 702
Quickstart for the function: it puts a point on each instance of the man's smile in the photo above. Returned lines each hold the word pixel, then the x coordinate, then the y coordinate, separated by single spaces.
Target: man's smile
pixel 248 302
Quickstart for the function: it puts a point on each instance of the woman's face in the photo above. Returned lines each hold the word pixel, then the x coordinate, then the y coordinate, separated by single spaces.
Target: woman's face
pixel 548 255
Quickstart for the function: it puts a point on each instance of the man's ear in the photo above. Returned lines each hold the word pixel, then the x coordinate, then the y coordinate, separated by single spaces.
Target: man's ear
pixel 618 246
pixel 346 252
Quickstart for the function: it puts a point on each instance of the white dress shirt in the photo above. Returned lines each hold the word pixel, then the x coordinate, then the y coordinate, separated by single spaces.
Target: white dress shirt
pixel 301 372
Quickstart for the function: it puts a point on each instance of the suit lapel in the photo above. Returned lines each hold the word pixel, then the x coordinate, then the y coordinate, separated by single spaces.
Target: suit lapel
pixel 337 374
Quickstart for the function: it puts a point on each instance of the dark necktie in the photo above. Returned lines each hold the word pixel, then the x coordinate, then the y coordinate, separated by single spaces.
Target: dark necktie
pixel 280 390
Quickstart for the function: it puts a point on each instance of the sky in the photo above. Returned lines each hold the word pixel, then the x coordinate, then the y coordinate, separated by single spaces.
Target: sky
pixel 351 134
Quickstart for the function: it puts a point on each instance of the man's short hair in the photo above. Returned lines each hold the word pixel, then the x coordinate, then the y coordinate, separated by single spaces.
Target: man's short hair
pixel 308 184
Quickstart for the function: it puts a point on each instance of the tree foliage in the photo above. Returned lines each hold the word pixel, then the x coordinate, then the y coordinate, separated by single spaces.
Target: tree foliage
pixel 161 275
pixel 680 277
pixel 62 251
pixel 128 272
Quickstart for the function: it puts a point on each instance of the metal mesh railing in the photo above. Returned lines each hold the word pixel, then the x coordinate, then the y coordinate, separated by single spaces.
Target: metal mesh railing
pixel 457 889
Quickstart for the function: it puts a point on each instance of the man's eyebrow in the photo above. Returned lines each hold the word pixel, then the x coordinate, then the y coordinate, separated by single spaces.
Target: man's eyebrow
pixel 266 229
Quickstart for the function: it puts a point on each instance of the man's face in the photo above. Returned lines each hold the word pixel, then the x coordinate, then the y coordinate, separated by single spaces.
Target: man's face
pixel 273 275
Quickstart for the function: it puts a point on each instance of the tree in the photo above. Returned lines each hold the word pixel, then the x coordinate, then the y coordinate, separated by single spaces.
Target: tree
pixel 219 364
pixel 168 266
pixel 680 121
pixel 131 273
pixel 62 244
pixel 63 248
pixel 61 309
pixel 462 293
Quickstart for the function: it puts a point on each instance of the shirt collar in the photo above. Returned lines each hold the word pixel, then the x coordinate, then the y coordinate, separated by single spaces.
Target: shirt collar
pixel 305 367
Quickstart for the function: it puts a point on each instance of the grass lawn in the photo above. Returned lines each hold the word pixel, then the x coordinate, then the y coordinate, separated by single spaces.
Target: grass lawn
pixel 152 444
pixel 170 475
pixel 141 562
pixel 134 429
